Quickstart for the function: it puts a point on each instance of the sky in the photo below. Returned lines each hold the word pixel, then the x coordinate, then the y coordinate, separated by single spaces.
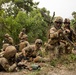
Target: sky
pixel 63 8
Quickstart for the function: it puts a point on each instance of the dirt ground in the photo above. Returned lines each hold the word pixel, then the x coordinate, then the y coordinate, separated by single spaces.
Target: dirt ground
pixel 48 70
pixel 66 65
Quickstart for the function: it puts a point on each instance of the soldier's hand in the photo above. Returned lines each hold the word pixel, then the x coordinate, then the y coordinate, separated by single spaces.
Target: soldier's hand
pixel 67 31
pixel 60 31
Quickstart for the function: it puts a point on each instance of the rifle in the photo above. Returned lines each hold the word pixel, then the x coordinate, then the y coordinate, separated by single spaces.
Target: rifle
pixel 69 40
pixel 48 20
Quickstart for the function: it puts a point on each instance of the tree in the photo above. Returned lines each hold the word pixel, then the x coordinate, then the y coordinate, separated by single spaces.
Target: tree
pixel 73 21
pixel 15 17
pixel 74 14
pixel 37 26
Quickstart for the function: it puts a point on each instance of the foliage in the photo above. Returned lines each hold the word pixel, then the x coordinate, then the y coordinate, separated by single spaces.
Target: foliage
pixel 22 13
pixel 73 21
pixel 54 62
pixel 37 25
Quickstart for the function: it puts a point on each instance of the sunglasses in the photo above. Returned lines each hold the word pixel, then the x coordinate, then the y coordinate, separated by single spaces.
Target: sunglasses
pixel 58 22
pixel 39 43
pixel 66 22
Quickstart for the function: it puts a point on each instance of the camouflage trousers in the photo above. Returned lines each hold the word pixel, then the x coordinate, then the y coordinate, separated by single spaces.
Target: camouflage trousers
pixel 54 51
pixel 68 48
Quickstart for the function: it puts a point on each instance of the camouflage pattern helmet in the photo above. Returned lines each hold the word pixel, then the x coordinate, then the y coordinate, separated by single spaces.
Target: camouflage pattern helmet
pixel 6 35
pixel 5 45
pixel 67 20
pixel 23 29
pixel 9 52
pixel 38 41
pixel 58 19
pixel 24 36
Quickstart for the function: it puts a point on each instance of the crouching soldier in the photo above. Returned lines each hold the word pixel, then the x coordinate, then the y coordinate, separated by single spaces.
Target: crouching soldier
pixel 8 39
pixel 32 51
pixel 22 44
pixel 22 35
pixel 54 42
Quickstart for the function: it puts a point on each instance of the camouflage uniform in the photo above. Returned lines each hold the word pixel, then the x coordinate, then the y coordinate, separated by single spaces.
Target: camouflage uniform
pixel 69 34
pixel 5 66
pixel 54 46
pixel 22 35
pixel 22 45
pixel 8 39
pixel 4 46
pixel 24 38
pixel 23 42
pixel 7 62
pixel 32 51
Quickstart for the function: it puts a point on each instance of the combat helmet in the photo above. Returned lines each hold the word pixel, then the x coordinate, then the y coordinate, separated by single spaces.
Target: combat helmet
pixel 23 29
pixel 38 41
pixel 4 46
pixel 6 35
pixel 24 36
pixel 67 20
pixel 9 52
pixel 58 19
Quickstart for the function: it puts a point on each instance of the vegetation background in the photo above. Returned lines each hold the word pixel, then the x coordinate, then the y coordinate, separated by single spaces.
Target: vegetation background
pixel 18 14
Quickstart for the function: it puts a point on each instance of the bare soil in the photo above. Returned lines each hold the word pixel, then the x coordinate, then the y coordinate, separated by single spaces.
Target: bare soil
pixel 47 70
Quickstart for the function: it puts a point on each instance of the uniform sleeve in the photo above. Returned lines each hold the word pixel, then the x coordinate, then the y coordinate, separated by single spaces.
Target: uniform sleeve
pixel 20 35
pixel 12 68
pixel 10 40
pixel 6 66
pixel 53 33
pixel 24 51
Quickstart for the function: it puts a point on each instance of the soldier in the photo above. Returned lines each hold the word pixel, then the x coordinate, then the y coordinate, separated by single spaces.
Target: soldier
pixel 4 46
pixel 55 36
pixel 69 33
pixel 67 29
pixel 22 35
pixel 24 38
pixel 32 51
pixel 7 62
pixel 23 42
pixel 23 45
pixel 8 39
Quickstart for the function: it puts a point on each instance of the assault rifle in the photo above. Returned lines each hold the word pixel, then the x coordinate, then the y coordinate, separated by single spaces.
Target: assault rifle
pixel 47 18
pixel 69 40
